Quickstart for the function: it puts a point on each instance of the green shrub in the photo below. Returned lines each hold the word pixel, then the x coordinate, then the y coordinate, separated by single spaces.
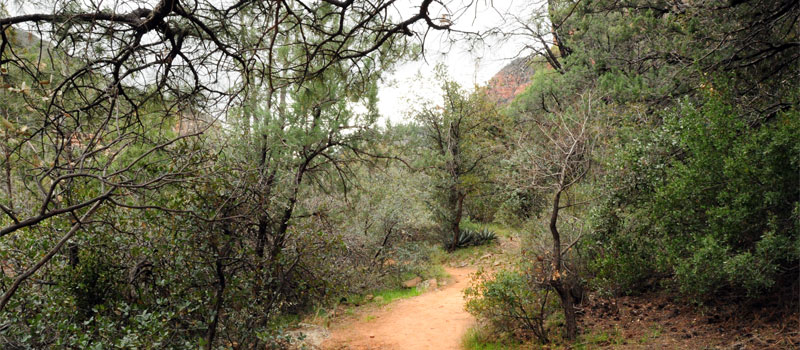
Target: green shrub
pixel 707 202
pixel 91 283
pixel 511 302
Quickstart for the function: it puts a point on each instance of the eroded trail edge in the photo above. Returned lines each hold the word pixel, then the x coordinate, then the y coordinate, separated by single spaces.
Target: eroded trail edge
pixel 434 320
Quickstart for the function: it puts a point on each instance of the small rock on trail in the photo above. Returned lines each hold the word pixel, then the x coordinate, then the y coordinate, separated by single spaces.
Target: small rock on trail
pixel 427 285
pixel 412 282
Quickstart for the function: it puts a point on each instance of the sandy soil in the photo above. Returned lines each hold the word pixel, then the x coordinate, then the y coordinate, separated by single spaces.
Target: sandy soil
pixel 435 320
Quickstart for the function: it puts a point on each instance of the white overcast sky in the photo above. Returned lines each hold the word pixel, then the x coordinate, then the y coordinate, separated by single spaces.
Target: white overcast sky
pixel 413 81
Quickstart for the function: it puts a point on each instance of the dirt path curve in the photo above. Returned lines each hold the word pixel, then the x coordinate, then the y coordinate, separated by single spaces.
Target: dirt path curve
pixel 435 320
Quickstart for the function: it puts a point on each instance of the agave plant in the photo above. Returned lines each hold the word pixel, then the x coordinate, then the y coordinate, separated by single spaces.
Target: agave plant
pixel 470 237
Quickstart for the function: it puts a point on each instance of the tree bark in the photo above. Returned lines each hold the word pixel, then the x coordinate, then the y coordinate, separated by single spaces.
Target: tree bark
pixel 557 280
pixel 568 304
pixel 457 205
pixel 212 328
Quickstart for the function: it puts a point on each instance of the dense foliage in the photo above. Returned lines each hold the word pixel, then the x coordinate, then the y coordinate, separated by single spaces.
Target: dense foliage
pixel 188 175
pixel 694 111
pixel 711 197
pixel 699 187
pixel 691 118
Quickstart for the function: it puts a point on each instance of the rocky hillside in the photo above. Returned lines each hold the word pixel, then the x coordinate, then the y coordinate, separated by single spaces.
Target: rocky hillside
pixel 511 80
pixel 25 38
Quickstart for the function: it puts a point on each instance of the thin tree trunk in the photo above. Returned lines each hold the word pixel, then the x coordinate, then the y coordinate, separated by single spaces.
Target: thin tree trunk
pixel 261 237
pixel 212 328
pixel 278 242
pixel 7 151
pixel 9 186
pixel 383 245
pixel 557 281
pixel 457 205
pixel 568 304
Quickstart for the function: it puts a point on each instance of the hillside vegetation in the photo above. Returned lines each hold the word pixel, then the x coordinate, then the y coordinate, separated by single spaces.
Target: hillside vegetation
pixel 194 175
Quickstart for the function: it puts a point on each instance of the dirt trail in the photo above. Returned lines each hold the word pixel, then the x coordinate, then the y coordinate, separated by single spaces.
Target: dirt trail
pixel 435 320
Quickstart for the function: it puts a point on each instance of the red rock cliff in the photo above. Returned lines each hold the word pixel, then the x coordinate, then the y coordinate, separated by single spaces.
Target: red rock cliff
pixel 511 80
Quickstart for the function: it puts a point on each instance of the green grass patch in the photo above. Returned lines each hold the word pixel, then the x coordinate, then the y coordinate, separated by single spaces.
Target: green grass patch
pixel 383 296
pixel 502 230
pixel 472 254
pixel 595 340
pixel 474 339
pixel 652 333
pixel 389 295
pixel 468 254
